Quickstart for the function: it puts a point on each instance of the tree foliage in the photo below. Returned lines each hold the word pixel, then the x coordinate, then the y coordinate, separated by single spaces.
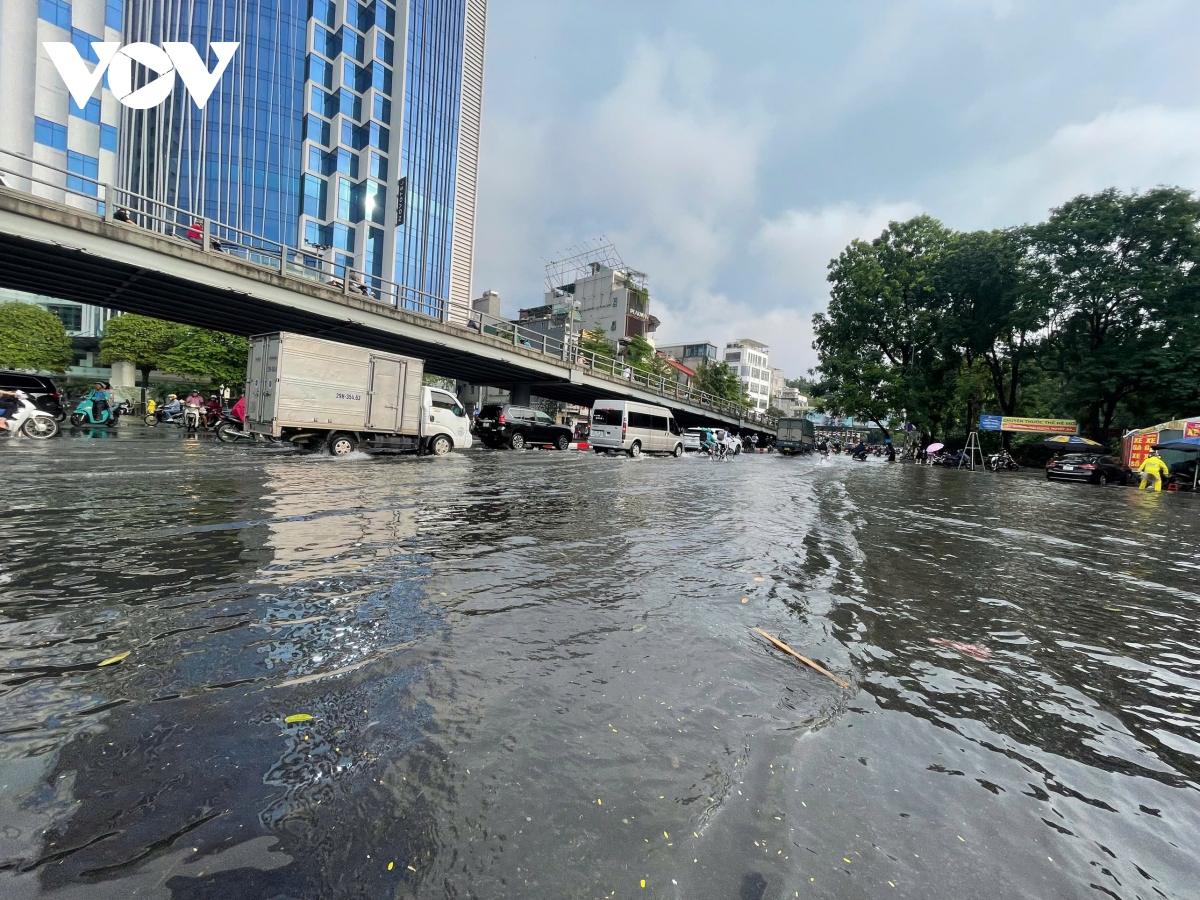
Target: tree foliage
pixel 596 342
pixel 32 338
pixel 722 381
pixel 640 354
pixel 215 355
pixel 1094 315
pixel 140 340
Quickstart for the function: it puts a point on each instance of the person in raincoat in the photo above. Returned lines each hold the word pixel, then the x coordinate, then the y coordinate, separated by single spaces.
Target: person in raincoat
pixel 1153 470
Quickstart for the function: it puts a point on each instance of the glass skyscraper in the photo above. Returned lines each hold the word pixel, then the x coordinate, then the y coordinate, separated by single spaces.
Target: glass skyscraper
pixel 352 127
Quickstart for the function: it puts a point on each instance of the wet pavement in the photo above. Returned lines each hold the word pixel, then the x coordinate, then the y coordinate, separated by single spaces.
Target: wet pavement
pixel 533 675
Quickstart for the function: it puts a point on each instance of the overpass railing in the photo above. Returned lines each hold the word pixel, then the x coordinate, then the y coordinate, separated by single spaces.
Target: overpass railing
pixel 113 204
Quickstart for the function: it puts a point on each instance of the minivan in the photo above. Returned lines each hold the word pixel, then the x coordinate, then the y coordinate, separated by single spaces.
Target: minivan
pixel 635 428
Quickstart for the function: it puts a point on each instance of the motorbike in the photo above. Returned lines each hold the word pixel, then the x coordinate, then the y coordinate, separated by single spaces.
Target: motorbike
pixel 231 430
pixel 30 421
pixel 193 416
pixel 163 417
pixel 952 460
pixel 85 414
pixel 1001 462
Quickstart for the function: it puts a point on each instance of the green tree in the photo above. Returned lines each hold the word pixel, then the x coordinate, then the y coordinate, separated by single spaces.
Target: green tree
pixel 32 338
pixel 876 342
pixel 722 381
pixel 640 354
pixel 1121 273
pixel 596 342
pixel 215 355
pixel 140 340
pixel 993 314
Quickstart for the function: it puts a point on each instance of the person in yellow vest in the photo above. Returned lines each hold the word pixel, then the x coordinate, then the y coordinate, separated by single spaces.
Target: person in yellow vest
pixel 1153 470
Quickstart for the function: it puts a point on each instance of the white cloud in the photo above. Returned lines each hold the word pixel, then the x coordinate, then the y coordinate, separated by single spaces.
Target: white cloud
pixel 796 247
pixel 1128 149
pixel 714 317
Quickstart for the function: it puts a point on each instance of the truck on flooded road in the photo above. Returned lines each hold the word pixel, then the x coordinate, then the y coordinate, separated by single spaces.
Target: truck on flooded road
pixel 796 435
pixel 316 393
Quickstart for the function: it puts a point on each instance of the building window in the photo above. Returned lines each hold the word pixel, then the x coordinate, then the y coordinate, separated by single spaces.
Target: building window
pixel 51 134
pixel 90 113
pixel 112 14
pixel 87 166
pixel 384 48
pixel 322 11
pixel 379 167
pixel 83 43
pixel 613 327
pixel 352 44
pixel 375 201
pixel 56 12
pixel 343 237
pixel 326 43
pixel 314 197
pixel 70 316
pixel 383 108
pixel 317 130
pixel 108 138
pixel 320 71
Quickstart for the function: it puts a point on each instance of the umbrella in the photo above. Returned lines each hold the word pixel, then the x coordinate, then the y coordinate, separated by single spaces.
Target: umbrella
pixel 1070 442
pixel 1188 445
pixel 934 448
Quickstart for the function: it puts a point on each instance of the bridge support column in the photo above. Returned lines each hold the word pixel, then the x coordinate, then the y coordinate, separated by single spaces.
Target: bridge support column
pixel 522 394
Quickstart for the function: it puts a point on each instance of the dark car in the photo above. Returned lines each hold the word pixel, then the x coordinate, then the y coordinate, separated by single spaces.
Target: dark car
pixel 519 427
pixel 1090 467
pixel 41 391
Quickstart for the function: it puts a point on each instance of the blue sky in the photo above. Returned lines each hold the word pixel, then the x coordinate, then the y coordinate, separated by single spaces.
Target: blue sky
pixel 731 150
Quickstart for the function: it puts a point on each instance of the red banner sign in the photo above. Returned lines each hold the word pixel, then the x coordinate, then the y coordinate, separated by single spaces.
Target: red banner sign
pixel 1191 429
pixel 1140 448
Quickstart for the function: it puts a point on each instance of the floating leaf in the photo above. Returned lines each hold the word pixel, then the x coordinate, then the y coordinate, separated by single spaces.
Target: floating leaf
pixel 113 660
pixel 298 717
pixel 745 599
pixel 390 865
pixel 643 882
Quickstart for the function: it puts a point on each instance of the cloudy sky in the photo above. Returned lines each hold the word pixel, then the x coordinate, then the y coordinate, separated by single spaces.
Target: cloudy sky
pixel 731 149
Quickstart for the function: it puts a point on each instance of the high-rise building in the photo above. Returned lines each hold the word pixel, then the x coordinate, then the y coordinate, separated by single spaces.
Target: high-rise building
pixel 41 124
pixel 750 360
pixel 348 127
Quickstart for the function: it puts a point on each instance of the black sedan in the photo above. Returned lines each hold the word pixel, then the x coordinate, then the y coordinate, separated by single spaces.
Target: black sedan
pixel 518 427
pixel 1090 467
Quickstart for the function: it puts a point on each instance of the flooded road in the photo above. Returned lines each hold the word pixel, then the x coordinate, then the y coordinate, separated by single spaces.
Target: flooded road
pixel 533 675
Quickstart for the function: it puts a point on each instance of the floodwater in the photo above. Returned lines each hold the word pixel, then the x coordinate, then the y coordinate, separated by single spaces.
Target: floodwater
pixel 533 675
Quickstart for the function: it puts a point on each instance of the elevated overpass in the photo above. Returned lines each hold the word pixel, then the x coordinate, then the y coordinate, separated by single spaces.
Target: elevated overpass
pixel 53 244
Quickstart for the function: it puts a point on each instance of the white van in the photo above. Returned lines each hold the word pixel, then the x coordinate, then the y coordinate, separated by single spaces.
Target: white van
pixel 635 428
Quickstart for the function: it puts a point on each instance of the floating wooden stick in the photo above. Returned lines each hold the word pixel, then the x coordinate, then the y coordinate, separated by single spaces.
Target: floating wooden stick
pixel 804 659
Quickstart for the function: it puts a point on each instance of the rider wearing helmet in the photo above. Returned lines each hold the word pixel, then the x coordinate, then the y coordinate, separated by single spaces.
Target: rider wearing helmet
pixel 172 407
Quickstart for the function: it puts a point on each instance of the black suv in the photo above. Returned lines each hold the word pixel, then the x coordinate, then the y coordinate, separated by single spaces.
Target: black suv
pixel 41 391
pixel 519 427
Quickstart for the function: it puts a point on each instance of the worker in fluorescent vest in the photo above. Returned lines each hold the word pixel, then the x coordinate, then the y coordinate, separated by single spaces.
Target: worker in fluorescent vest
pixel 1153 470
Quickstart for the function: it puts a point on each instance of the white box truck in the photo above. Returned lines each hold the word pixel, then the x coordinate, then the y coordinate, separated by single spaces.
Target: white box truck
pixel 317 393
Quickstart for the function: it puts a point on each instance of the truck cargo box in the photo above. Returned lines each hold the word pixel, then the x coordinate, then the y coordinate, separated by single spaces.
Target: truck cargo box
pixel 298 382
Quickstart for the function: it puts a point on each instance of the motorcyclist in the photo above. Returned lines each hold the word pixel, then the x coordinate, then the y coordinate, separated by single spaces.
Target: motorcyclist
pixel 1154 471
pixel 194 404
pixel 239 410
pixel 212 409
pixel 101 400
pixel 860 450
pixel 9 404
pixel 172 407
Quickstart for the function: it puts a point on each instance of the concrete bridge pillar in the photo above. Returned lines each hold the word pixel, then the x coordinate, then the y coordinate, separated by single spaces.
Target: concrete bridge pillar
pixel 124 381
pixel 522 394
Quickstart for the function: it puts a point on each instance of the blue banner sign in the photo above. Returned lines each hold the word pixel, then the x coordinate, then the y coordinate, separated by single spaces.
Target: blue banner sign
pixel 990 423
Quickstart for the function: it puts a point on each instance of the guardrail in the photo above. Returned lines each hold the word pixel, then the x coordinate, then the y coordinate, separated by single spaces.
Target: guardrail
pixel 208 235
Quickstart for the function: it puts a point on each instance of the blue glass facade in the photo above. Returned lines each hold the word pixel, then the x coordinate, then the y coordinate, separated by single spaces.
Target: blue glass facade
pixel 429 152
pixel 239 159
pixel 328 106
